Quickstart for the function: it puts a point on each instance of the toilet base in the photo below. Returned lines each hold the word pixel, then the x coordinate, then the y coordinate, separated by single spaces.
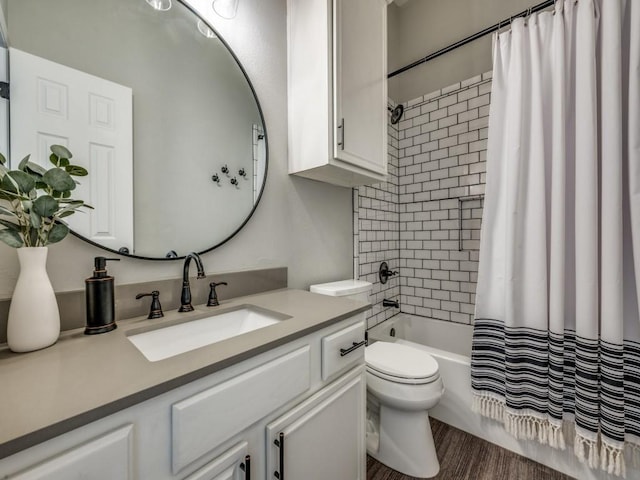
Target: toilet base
pixel 406 443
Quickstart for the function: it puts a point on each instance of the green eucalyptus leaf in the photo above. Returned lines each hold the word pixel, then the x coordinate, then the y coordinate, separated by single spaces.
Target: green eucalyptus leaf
pixel 59 180
pixel 26 205
pixel 41 186
pixel 58 232
pixel 54 159
pixel 66 213
pixel 66 194
pixel 35 219
pixel 63 162
pixel 35 169
pixel 10 225
pixel 11 238
pixel 23 163
pixel 61 151
pixel 45 206
pixel 33 194
pixel 8 184
pixel 3 159
pixel 16 181
pixel 76 170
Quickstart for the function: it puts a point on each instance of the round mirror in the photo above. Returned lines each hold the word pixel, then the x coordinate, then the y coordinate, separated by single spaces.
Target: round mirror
pixel 154 104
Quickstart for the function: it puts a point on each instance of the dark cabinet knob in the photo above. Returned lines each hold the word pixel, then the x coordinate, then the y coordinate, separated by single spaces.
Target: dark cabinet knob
pixel 213 295
pixel 155 311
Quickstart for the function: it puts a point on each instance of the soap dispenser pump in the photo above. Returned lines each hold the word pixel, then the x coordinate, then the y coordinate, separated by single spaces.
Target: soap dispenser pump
pixel 99 295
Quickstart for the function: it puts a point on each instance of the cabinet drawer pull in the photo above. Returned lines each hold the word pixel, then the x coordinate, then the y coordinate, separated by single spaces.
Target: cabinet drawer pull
pixel 246 467
pixel 279 442
pixel 356 345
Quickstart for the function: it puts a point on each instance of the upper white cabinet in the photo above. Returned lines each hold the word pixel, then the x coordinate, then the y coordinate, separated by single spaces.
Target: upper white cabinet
pixel 337 90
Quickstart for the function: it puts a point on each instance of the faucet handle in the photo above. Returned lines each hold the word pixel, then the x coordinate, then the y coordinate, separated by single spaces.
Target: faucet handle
pixel 156 309
pixel 213 295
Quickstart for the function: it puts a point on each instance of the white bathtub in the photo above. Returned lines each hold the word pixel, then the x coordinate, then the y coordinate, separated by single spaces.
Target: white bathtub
pixel 450 344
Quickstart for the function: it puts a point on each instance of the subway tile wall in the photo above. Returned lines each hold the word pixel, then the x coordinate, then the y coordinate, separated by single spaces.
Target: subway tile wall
pixel 439 183
pixel 377 234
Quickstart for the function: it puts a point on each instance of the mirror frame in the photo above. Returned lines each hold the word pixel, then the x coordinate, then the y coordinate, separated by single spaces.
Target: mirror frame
pixel 266 166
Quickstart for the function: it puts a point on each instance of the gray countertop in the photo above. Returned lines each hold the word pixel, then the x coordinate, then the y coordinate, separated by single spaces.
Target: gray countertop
pixel 84 378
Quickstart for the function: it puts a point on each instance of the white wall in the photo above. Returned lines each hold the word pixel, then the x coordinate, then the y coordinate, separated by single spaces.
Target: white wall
pixel 301 224
pixel 421 27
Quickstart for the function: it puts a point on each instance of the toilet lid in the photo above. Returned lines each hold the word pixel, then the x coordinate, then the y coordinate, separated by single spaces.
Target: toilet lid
pixel 400 361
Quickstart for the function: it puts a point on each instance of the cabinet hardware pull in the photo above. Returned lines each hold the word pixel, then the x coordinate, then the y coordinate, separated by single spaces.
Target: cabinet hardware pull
pixel 356 345
pixel 246 467
pixel 279 442
pixel 341 134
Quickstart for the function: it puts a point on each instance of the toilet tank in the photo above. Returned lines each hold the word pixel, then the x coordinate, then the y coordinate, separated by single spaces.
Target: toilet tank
pixel 354 289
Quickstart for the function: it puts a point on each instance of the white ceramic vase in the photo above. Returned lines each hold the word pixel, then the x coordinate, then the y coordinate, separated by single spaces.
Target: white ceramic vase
pixel 34 319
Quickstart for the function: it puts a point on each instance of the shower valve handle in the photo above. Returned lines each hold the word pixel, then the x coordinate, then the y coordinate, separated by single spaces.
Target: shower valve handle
pixel 385 272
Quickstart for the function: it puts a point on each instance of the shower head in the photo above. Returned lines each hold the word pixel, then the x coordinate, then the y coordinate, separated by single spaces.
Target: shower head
pixel 396 113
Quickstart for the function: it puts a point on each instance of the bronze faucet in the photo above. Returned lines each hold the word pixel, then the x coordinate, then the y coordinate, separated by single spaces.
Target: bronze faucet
pixel 185 298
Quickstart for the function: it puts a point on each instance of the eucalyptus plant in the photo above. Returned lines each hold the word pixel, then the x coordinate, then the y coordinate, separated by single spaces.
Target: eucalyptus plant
pixel 34 201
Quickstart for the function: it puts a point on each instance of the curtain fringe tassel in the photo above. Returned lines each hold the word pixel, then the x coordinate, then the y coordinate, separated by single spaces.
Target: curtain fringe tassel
pixel 612 460
pixel 522 426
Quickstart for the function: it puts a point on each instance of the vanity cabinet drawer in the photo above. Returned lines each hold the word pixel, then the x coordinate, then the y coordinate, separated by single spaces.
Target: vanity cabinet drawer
pixel 342 349
pixel 201 423
pixel 103 458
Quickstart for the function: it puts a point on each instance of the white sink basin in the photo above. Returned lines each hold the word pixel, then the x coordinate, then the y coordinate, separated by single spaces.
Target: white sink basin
pixel 173 340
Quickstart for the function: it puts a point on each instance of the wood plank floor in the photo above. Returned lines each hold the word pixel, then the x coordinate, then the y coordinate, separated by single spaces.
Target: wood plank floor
pixel 465 457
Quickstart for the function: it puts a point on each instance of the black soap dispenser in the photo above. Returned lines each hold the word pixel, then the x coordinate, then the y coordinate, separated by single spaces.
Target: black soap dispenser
pixel 99 295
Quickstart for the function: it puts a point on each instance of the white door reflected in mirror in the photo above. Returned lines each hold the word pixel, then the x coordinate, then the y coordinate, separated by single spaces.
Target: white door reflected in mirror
pixel 56 105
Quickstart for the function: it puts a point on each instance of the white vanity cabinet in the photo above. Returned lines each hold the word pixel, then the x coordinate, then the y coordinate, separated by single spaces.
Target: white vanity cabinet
pixel 217 427
pixel 337 90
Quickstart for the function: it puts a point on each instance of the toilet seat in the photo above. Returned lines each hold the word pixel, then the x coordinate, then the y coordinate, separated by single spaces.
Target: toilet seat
pixel 401 363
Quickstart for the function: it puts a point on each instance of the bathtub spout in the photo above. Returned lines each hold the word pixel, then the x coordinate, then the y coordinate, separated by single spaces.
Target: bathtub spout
pixel 390 303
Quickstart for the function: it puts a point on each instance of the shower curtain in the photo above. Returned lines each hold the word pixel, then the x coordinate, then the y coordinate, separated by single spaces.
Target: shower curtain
pixel 556 348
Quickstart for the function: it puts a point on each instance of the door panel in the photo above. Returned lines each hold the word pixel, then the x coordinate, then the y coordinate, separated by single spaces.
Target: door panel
pixel 55 104
pixel 323 436
pixel 359 71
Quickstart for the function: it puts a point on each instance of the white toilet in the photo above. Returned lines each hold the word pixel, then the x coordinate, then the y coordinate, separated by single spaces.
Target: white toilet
pixel 402 384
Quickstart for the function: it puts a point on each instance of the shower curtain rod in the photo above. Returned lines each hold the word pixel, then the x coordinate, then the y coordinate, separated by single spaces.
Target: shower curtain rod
pixel 471 38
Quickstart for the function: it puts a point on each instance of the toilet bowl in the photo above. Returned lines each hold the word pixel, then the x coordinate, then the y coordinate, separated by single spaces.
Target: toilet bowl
pixel 404 383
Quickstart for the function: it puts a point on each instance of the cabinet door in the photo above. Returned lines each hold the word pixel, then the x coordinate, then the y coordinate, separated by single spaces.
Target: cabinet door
pixel 323 437
pixel 234 464
pixel 107 457
pixel 359 76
